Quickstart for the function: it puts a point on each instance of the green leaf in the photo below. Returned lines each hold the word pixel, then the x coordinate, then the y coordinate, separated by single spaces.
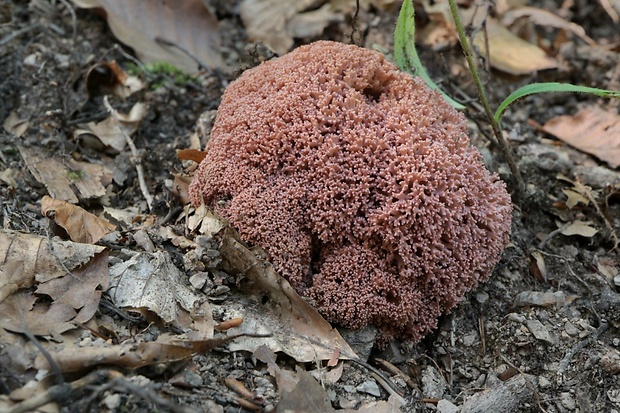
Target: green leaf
pixel 534 88
pixel 405 53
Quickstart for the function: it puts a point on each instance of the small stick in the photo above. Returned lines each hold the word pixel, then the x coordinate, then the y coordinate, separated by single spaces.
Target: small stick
pixel 134 151
pixel 395 371
pixel 579 346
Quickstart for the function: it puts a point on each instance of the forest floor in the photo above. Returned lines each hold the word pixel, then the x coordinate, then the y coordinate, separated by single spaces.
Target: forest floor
pixel 540 336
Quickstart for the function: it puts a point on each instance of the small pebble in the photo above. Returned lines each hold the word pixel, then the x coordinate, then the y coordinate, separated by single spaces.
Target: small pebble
pixel 347 403
pixel 539 331
pixel 370 387
pixel 445 406
pixel 544 383
pixel 112 401
pixel 482 297
pixel 571 329
pixel 199 280
pixel 567 401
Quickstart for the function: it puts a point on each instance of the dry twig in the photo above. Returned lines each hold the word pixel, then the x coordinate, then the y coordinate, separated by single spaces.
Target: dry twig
pixel 136 156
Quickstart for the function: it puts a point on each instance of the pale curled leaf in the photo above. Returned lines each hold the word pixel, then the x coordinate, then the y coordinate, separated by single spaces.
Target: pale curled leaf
pixel 574 198
pixel 276 22
pixel 112 133
pixel 547 19
pixel 82 226
pixel 153 282
pixel 582 228
pixel 14 124
pixel 270 305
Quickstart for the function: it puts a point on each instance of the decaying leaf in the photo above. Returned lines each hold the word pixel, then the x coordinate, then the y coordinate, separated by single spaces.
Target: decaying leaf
pixel 270 305
pixel 130 354
pixel 61 175
pixel 151 281
pixel 112 133
pixel 510 53
pixel 30 260
pixel 26 259
pixel 592 130
pixel 15 125
pixel 582 228
pixel 507 52
pixel 276 22
pixel 574 198
pixel 580 192
pixel 81 225
pixel 546 18
pixel 8 177
pixel 538 268
pixel 178 32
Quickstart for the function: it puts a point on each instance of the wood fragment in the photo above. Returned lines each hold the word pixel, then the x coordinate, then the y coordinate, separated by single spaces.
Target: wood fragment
pixel 506 397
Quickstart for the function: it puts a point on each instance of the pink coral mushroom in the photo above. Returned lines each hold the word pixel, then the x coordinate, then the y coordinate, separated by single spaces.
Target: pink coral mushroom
pixel 360 183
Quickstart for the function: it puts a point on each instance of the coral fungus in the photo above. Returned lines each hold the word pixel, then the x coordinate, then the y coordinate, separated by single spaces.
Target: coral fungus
pixel 360 183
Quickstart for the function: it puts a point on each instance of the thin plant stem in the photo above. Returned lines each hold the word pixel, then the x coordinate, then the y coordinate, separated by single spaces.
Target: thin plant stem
pixel 497 131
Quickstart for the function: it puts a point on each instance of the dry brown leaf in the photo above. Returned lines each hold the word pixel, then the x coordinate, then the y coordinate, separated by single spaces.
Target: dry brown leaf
pixel 276 22
pixel 49 172
pixel 507 52
pixel 581 228
pixel 510 53
pixel 548 19
pixel 75 298
pixel 270 305
pixel 130 354
pixel 177 32
pixel 26 259
pixel 112 133
pixel 82 226
pixel 592 130
pixel 151 281
pixel 574 198
pixel 15 125
pixel 61 175
pixel 82 290
pixel 191 155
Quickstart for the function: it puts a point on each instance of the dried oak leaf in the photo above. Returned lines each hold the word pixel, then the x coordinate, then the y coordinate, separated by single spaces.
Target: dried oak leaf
pixel 82 226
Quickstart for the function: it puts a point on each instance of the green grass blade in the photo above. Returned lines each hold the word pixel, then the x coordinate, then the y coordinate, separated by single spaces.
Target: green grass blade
pixel 405 53
pixel 535 88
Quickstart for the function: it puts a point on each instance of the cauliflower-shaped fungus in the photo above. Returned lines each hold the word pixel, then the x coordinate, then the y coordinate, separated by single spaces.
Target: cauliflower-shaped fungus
pixel 360 183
